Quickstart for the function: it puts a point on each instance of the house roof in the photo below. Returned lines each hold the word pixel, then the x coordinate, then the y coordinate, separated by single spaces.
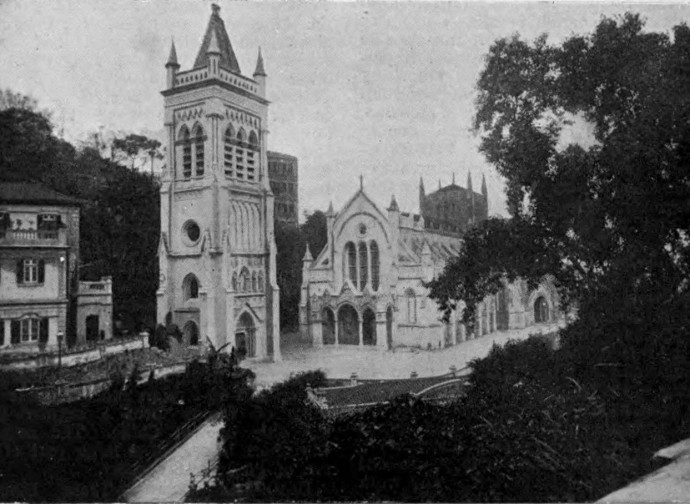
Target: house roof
pixel 369 393
pixel 216 26
pixel 33 192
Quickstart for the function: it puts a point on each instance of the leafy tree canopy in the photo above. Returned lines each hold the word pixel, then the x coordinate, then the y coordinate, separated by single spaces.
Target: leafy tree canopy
pixel 608 217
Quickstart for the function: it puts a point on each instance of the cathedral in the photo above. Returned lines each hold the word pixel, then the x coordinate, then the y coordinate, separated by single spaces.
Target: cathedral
pixel 217 251
pixel 366 287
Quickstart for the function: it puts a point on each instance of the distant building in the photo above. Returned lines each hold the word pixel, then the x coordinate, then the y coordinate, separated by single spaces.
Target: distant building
pixel 453 208
pixel 95 309
pixel 283 176
pixel 366 287
pixel 217 253
pixel 39 254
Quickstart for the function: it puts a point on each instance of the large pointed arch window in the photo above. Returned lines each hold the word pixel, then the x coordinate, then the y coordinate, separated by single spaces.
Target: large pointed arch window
pixel 350 263
pixel 252 152
pixel 185 148
pixel 199 150
pixel 363 265
pixel 240 160
pixel 374 253
pixel 411 299
pixel 229 152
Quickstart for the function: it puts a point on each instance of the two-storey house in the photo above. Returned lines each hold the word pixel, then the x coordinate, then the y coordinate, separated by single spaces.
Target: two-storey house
pixel 39 254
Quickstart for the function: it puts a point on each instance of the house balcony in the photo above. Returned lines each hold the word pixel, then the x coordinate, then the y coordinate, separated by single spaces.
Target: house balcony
pixel 33 238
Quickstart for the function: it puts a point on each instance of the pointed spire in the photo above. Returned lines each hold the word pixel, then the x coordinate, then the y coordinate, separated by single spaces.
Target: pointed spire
pixel 213 44
pixel 453 182
pixel 307 255
pixel 216 26
pixel 439 184
pixel 421 184
pixel 469 180
pixel 393 207
pixel 361 182
pixel 329 212
pixel 172 59
pixel 484 184
pixel 260 65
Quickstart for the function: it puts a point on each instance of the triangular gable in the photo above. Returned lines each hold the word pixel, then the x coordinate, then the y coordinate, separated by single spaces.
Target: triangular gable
pixel 357 204
pixel 163 247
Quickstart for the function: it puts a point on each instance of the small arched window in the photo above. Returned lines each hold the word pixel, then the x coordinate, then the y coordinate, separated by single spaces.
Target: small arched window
pixel 411 300
pixel 186 148
pixel 261 281
pixel 199 150
pixel 363 265
pixel 229 153
pixel 190 287
pixel 234 281
pixel 254 288
pixel 374 251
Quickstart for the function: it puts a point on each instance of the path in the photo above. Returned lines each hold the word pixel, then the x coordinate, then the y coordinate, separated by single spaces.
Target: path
pixel 372 363
pixel 169 480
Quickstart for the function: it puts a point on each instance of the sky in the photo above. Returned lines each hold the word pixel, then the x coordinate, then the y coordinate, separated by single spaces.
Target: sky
pixel 385 90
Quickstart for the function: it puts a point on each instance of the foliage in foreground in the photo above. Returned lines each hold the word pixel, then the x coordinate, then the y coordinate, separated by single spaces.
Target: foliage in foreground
pixel 87 451
pixel 527 430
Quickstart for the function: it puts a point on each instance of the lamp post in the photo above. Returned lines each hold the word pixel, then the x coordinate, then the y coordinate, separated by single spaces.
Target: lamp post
pixel 60 336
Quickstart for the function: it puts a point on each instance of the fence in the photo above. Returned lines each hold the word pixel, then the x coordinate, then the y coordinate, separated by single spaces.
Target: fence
pixel 140 469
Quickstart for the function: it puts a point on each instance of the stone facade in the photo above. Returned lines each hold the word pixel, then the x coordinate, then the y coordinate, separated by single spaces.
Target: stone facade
pixel 367 285
pixel 283 174
pixel 217 251
pixel 95 310
pixel 453 208
pixel 39 257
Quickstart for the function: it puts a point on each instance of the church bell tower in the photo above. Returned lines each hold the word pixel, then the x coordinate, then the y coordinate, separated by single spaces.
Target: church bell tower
pixel 217 250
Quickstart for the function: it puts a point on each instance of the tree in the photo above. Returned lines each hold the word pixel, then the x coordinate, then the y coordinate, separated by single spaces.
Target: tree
pixel 609 219
pixel 290 250
pixel 314 231
pixel 612 212
pixel 133 146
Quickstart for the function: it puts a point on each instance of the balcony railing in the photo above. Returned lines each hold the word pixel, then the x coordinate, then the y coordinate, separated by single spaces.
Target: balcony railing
pixel 30 236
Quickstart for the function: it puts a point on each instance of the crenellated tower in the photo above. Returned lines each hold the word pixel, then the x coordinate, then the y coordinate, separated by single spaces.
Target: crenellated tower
pixel 217 250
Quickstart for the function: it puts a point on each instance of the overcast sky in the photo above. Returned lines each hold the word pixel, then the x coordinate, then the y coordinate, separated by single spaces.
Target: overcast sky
pixel 385 90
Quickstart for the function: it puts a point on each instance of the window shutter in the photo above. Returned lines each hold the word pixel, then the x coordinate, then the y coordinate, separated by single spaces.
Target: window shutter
pixel 39 221
pixel 2 332
pixel 41 271
pixel 20 271
pixel 16 330
pixel 43 333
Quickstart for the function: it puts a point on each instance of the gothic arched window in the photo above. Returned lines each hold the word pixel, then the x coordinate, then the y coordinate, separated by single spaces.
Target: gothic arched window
pixel 234 281
pixel 251 156
pixel 261 281
pixel 186 147
pixel 244 280
pixel 363 265
pixel 375 266
pixel 199 150
pixel 254 289
pixel 190 287
pixel 229 144
pixel 350 263
pixel 240 160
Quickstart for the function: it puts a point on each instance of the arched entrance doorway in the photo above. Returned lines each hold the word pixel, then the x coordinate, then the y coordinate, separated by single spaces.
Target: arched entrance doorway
pixel 369 327
pixel 245 337
pixel 191 333
pixel 389 327
pixel 348 325
pixel 541 310
pixel 92 328
pixel 328 326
